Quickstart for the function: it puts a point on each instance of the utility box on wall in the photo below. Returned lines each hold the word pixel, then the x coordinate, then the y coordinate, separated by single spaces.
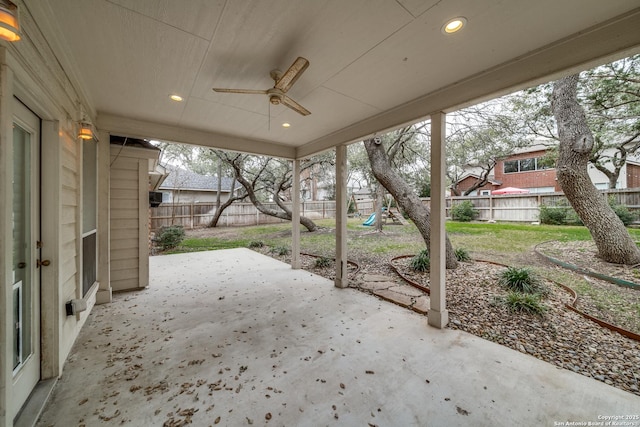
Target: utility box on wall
pixel 131 162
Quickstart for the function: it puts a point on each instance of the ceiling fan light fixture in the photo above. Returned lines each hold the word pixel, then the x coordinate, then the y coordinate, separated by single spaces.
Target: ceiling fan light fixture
pixel 9 21
pixel 454 25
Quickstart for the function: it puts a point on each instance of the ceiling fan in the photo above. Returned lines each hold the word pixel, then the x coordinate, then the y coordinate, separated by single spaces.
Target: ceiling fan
pixel 283 82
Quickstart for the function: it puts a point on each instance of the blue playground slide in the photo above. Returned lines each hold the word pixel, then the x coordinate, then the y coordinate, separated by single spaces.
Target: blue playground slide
pixel 370 220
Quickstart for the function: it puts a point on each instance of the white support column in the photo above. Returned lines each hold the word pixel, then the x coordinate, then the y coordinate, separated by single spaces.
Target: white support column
pixel 341 217
pixel 104 294
pixel 438 315
pixel 296 264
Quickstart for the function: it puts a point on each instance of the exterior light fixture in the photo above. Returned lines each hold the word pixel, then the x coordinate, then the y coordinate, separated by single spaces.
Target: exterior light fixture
pixel 454 25
pixel 9 23
pixel 286 125
pixel 176 98
pixel 86 131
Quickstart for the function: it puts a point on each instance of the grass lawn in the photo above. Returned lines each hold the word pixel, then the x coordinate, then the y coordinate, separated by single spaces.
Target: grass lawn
pixel 499 241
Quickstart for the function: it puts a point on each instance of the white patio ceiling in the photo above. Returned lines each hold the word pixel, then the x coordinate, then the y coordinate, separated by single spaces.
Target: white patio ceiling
pixel 374 64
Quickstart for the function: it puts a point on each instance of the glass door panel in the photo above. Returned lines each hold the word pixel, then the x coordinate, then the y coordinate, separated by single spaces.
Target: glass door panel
pixel 25 221
pixel 22 245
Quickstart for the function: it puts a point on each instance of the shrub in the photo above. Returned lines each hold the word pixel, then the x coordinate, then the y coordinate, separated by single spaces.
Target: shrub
pixel 623 213
pixel 563 214
pixel 421 261
pixel 169 237
pixel 573 218
pixel 525 303
pixel 462 254
pixel 464 212
pixel 323 262
pixel 523 280
pixel 553 215
pixel 280 250
pixel 351 209
pixel 256 244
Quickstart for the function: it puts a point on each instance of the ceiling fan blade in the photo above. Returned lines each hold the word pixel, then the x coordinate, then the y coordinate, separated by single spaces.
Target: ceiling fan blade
pixel 294 105
pixel 292 74
pixel 247 91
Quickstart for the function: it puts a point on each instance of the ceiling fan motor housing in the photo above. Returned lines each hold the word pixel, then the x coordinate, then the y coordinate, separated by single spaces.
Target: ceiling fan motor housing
pixel 274 99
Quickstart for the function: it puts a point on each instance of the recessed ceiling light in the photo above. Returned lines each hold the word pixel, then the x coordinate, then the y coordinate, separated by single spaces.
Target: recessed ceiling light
pixel 177 98
pixel 454 25
pixel 286 125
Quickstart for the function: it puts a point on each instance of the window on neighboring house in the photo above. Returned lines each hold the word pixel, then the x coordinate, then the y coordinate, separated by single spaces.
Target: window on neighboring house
pixel 527 164
pixel 524 165
pixel 485 192
pixel 511 166
pixel 540 164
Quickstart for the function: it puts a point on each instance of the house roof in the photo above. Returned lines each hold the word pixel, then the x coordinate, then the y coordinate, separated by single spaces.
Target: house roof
pixel 373 66
pixel 182 179
pixel 132 142
pixel 490 180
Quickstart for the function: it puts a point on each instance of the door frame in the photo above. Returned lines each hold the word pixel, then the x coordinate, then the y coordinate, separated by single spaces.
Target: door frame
pixel 17 81
pixel 33 95
pixel 30 369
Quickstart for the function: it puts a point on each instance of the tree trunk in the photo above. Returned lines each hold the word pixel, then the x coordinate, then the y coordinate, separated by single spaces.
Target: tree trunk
pixel 285 213
pixel 576 142
pixel 379 206
pixel 221 208
pixel 220 185
pixel 482 179
pixel 306 222
pixel 406 198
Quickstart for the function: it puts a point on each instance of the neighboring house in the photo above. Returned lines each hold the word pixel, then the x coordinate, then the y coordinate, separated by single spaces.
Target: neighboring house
pixel 183 186
pixel 525 169
pixel 629 176
pixel 469 178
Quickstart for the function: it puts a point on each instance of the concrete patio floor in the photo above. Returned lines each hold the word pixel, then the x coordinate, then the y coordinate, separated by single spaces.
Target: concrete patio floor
pixel 236 338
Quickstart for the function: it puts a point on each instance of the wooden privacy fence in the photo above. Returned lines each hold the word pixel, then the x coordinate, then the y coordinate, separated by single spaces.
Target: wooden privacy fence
pixel 194 215
pixel 526 207
pixel 516 208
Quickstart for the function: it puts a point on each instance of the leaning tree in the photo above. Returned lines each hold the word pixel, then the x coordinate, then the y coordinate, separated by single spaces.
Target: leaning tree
pixel 269 179
pixel 404 194
pixel 574 151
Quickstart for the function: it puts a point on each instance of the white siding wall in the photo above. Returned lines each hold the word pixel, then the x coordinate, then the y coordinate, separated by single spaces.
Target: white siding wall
pixel 130 217
pixel 61 216
pixel 30 72
pixel 125 220
pixel 70 237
